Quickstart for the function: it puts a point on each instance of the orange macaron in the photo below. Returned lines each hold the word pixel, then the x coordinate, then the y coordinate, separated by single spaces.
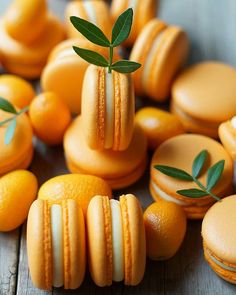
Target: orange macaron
pixel 203 97
pixel 219 238
pixel 107 109
pixel 94 11
pixel 164 54
pixel 180 152
pixel 119 169
pixel 227 134
pixel 56 244
pixel 116 240
pixel 143 11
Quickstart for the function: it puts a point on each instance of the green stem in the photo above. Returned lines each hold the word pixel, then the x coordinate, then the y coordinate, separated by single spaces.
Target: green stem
pixel 110 58
pixel 24 110
pixel 205 189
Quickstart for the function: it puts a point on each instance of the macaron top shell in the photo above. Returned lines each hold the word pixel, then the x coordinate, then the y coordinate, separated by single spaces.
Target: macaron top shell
pixel 180 152
pixel 206 91
pixel 218 229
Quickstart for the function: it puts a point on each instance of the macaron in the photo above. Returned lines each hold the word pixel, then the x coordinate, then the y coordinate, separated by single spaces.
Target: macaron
pixel 203 97
pixel 17 90
pixel 219 238
pixel 28 60
pixel 227 134
pixel 164 54
pixel 107 109
pixel 119 169
pixel 56 244
pixel 94 11
pixel 64 72
pixel 143 12
pixel 180 152
pixel 158 125
pixel 116 240
pixel 19 152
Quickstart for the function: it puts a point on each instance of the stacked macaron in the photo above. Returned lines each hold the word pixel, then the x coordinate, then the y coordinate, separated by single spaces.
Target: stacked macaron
pixel 24 53
pixel 227 134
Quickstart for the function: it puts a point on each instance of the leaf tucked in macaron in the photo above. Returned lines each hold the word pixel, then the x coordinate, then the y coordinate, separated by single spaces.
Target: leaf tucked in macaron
pixel 213 176
pixel 120 33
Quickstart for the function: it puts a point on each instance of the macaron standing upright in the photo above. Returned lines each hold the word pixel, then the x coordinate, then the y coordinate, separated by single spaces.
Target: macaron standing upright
pixel 144 11
pixel 227 134
pixel 94 11
pixel 116 240
pixel 56 244
pixel 180 152
pixel 107 113
pixel 219 238
pixel 24 51
pixel 164 54
pixel 203 97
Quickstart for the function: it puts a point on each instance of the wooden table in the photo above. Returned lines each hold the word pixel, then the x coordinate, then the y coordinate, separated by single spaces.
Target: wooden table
pixel 211 25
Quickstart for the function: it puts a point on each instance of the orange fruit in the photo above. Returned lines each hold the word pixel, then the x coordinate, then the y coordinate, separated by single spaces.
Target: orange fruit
pixel 50 117
pixel 18 189
pixel 79 187
pixel 165 225
pixel 17 90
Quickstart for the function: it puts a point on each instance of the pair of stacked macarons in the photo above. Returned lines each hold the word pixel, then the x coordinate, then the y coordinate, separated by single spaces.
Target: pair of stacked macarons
pixel 24 50
pixel 56 242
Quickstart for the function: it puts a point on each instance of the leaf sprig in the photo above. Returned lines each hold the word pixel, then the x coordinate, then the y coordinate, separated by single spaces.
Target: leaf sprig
pixel 6 106
pixel 213 176
pixel 120 32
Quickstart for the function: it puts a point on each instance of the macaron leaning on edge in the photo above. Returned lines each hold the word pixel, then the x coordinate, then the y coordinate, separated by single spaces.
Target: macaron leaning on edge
pixel 227 134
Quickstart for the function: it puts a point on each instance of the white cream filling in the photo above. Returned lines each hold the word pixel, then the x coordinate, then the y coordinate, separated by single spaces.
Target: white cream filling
pixel 109 116
pixel 148 63
pixel 117 242
pixel 220 264
pixel 233 122
pixel 133 4
pixel 90 11
pixel 57 245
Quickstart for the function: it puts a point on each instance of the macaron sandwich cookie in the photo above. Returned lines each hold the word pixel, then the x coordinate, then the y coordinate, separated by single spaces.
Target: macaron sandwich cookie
pixel 203 97
pixel 180 152
pixel 24 51
pixel 144 11
pixel 219 238
pixel 116 240
pixel 94 11
pixel 164 54
pixel 119 168
pixel 227 134
pixel 56 244
pixel 107 109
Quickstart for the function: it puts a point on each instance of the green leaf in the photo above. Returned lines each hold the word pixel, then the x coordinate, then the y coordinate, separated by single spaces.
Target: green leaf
pixel 214 174
pixel 10 132
pixel 6 106
pixel 125 66
pixel 198 163
pixel 90 31
pixel 122 27
pixel 174 172
pixel 91 56
pixel 192 193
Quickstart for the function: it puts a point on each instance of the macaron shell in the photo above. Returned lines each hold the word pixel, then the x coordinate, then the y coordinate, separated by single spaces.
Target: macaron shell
pixel 218 229
pixel 107 164
pixel 180 152
pixel 134 239
pixel 200 90
pixel 100 240
pixel 39 245
pixel 227 134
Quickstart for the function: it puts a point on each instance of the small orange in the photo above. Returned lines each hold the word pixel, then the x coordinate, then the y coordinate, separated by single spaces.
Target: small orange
pixel 165 225
pixel 79 187
pixel 50 117
pixel 17 90
pixel 18 189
